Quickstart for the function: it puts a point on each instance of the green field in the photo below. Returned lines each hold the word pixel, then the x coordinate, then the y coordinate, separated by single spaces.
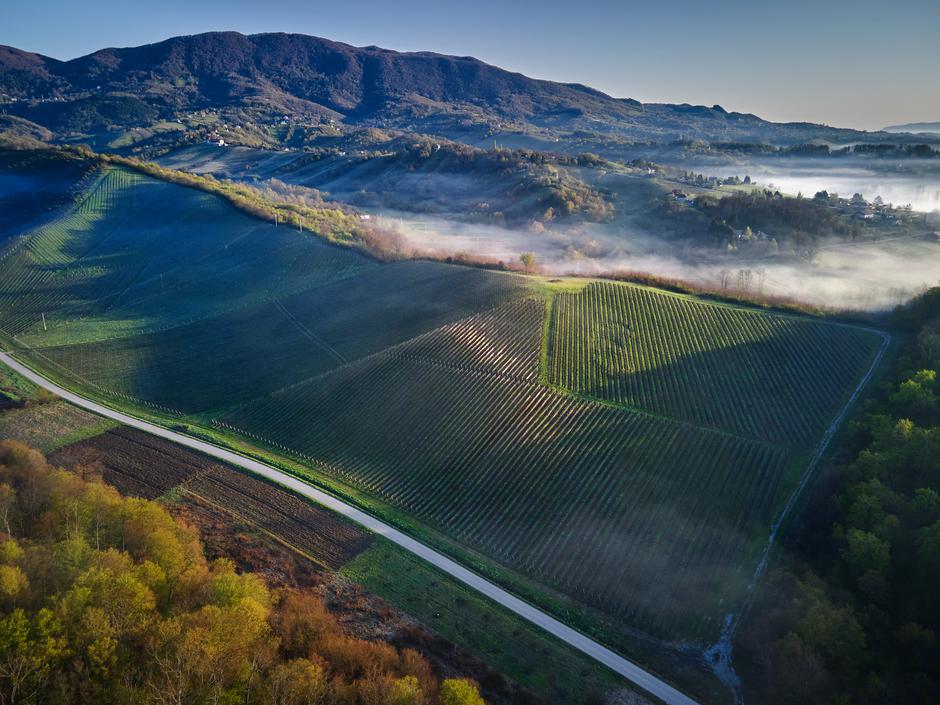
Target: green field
pixel 33 185
pixel 620 447
pixel 771 377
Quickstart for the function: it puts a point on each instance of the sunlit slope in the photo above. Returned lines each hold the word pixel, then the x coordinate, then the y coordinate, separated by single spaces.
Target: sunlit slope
pixel 623 446
pixel 776 378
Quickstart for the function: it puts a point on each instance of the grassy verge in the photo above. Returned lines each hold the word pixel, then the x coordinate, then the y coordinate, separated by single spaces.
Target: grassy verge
pixel 507 642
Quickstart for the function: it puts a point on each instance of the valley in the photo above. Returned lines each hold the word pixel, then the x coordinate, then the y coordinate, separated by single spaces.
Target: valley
pixel 560 435
pixel 344 375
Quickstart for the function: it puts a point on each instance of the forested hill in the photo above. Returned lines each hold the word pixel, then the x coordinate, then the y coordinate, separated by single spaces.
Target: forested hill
pixel 302 74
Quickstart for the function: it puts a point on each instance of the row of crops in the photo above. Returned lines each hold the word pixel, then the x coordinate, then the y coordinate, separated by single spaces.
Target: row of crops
pixel 503 341
pixel 214 363
pixel 764 376
pixel 643 517
pixel 43 272
pixel 33 185
pixel 140 255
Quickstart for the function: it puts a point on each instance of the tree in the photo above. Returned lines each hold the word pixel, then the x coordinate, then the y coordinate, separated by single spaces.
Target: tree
pixel 528 261
pixel 406 691
pixel 928 548
pixel 460 691
pixel 866 552
pixel 7 503
pixel 29 649
pixel 297 682
pixel 13 582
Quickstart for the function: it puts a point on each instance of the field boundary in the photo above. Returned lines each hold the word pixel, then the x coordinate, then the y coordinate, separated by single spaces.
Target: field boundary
pixel 719 655
pixel 618 664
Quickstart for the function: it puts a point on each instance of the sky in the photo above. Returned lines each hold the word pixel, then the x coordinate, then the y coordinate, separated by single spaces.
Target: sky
pixel 850 63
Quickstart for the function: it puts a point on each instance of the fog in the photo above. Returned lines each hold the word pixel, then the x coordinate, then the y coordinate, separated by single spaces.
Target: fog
pixel 869 276
pixel 913 181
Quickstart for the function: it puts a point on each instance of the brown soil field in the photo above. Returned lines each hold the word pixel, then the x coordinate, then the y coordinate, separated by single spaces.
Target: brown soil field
pixel 145 466
pixel 318 534
pixel 136 463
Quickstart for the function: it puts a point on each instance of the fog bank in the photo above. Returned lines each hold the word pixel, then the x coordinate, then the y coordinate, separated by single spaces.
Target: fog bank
pixel 866 276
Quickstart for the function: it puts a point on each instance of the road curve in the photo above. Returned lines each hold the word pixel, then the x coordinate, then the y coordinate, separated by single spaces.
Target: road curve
pixel 629 670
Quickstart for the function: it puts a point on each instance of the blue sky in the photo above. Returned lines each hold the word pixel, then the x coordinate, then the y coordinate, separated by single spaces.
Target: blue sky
pixel 856 64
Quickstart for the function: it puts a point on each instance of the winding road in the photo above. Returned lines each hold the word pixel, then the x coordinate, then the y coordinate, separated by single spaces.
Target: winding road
pixel 641 678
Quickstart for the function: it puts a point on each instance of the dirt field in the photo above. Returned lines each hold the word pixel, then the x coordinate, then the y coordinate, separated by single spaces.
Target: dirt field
pixel 50 425
pixel 142 465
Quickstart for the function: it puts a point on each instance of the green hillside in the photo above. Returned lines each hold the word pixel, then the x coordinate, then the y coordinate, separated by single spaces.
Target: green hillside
pixel 770 377
pixel 626 448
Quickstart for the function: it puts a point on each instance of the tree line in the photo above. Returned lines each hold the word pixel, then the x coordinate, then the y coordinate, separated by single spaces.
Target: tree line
pixel 850 615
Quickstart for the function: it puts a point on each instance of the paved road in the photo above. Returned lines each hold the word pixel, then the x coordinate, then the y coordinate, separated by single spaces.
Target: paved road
pixel 629 670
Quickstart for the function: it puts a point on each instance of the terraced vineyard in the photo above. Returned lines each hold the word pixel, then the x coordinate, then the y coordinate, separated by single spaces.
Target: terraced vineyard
pixel 777 378
pixel 641 480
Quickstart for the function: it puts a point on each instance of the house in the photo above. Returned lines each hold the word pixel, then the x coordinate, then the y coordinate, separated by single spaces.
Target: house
pixel 680 196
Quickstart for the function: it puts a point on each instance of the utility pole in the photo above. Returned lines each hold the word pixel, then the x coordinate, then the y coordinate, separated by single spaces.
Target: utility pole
pixel 44 321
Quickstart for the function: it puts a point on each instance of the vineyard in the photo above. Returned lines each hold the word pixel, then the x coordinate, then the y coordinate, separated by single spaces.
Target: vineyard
pixel 33 186
pixel 138 255
pixel 625 447
pixel 770 377
pixel 646 518
pixel 213 363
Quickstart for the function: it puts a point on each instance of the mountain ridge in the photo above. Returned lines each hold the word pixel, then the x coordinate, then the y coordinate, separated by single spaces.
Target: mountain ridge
pixel 421 91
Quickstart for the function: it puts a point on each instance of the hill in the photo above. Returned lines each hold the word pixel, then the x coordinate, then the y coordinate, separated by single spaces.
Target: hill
pixel 915 127
pixel 612 452
pixel 293 73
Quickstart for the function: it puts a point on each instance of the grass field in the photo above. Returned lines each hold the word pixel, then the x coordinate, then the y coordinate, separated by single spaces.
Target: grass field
pixel 527 656
pixel 623 447
pixel 32 186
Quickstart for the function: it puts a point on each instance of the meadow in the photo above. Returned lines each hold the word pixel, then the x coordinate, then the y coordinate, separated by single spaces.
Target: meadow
pixel 620 447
